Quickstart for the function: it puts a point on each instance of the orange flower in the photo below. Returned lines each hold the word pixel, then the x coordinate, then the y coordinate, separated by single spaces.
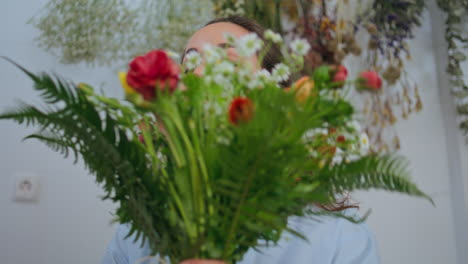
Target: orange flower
pixel 303 88
pixel 241 110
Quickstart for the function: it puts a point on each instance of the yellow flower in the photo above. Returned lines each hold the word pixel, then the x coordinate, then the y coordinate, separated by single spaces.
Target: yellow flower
pixel 123 81
pixel 321 164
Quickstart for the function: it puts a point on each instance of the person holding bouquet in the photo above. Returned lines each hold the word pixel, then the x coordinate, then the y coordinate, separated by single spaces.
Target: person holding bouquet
pixel 327 239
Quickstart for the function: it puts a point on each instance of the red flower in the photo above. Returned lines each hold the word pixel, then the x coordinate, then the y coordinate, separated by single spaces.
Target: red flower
pixel 151 71
pixel 340 139
pixel 370 80
pixel 241 110
pixel 340 75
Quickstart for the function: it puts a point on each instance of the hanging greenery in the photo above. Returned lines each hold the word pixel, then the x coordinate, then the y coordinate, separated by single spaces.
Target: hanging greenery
pixel 104 32
pixel 457 45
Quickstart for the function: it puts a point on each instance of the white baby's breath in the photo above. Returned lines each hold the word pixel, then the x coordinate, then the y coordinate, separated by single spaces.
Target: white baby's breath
pixel 274 37
pixel 192 60
pixel 248 45
pixel 300 46
pixel 281 72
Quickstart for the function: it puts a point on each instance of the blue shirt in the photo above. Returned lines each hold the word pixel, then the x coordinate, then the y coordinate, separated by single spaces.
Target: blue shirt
pixel 330 240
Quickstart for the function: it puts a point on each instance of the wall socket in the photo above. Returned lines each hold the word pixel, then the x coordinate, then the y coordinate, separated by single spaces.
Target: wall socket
pixel 26 188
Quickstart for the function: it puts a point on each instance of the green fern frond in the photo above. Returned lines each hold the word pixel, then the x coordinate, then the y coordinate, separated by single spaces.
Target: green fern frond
pixel 380 172
pixel 27 114
pixel 52 89
pixel 55 142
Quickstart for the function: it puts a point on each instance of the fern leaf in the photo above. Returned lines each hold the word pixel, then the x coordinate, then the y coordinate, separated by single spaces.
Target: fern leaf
pixel 381 172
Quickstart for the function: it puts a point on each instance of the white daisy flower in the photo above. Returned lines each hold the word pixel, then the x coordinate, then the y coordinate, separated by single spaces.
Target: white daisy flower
pixel 281 72
pixel 230 39
pixel 263 76
pixel 221 80
pixel 248 45
pixel 338 157
pixel 364 143
pixel 300 46
pixel 354 125
pixel 212 54
pixel 192 60
pixel 225 68
pixel 351 158
pixel 244 75
pixel 254 83
pixel 274 37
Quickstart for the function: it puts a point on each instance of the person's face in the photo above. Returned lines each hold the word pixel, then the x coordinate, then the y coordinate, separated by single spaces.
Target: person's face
pixel 214 35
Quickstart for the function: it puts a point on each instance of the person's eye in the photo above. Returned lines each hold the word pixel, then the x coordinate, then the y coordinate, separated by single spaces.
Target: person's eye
pixel 225 46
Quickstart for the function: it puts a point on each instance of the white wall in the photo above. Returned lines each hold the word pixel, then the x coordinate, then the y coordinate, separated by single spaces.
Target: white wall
pixel 70 224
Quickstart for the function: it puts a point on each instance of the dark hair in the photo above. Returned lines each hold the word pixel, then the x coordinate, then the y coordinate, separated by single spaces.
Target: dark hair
pixel 273 55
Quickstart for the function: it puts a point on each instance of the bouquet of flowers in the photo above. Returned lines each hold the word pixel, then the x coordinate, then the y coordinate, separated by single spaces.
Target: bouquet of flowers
pixel 208 166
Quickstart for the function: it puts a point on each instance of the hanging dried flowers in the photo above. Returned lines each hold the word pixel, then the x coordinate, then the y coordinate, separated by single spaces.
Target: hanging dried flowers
pixel 390 25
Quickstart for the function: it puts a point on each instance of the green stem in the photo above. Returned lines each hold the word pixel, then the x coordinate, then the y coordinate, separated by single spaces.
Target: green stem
pixel 235 220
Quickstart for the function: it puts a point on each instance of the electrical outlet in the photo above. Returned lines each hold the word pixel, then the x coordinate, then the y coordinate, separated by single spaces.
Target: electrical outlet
pixel 26 188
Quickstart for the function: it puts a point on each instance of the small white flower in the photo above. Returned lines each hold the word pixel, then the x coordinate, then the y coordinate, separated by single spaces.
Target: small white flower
pixel 220 79
pixel 230 39
pixel 244 75
pixel 212 54
pixel 254 83
pixel 338 157
pixel 281 72
pixel 263 76
pixel 274 37
pixel 192 60
pixel 300 46
pixel 248 45
pixel 351 158
pixel 225 68
pixel 354 125
pixel 364 142
pixel 316 131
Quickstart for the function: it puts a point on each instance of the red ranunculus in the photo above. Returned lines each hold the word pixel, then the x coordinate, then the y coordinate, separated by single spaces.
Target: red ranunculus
pixel 370 80
pixel 340 75
pixel 241 110
pixel 152 71
pixel 340 139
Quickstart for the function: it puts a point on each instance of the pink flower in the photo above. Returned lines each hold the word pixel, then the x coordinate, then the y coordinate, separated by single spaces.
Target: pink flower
pixel 340 75
pixel 370 80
